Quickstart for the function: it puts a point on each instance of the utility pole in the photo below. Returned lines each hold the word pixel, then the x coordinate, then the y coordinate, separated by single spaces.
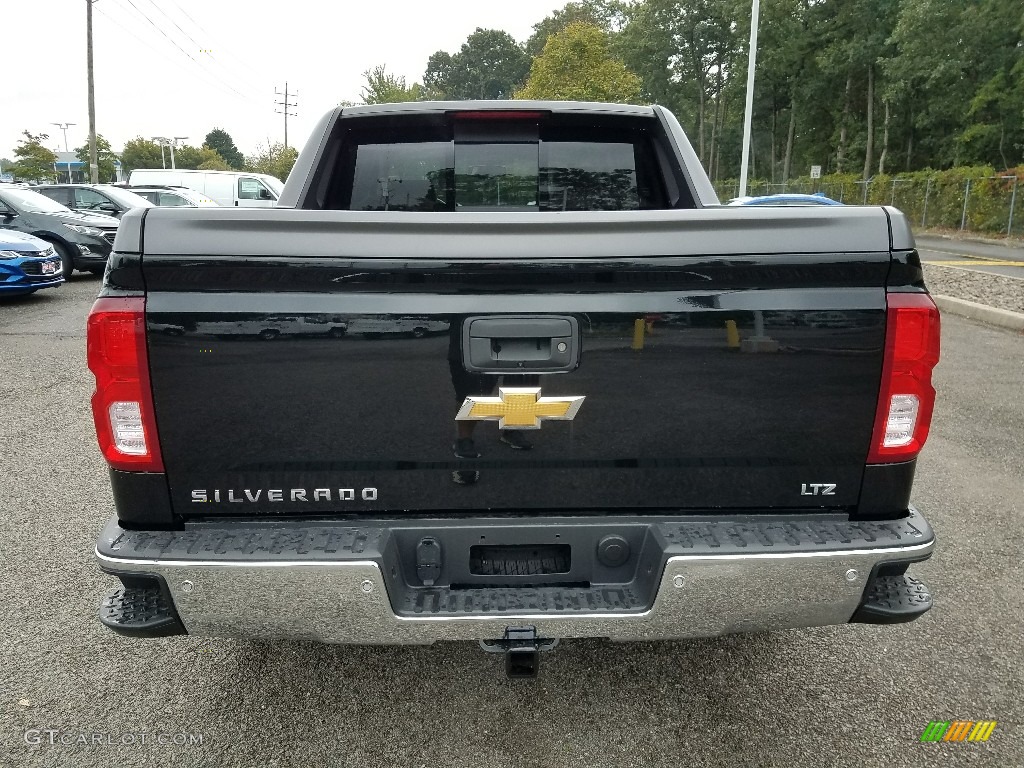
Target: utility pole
pixel 749 110
pixel 286 104
pixel 94 167
pixel 64 127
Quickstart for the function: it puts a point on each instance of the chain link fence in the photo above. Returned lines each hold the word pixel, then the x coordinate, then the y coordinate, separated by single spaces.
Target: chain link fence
pixel 989 204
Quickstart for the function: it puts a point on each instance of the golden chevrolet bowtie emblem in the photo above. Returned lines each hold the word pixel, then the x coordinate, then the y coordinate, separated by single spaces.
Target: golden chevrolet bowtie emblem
pixel 519 408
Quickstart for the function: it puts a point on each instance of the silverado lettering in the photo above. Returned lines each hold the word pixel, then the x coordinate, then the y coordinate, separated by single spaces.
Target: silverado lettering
pixel 204 496
pixel 439 289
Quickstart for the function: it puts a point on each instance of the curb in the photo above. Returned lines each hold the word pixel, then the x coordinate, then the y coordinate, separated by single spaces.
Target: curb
pixel 1002 318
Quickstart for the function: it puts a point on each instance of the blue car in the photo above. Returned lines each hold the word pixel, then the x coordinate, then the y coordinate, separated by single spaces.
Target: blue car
pixel 789 198
pixel 27 264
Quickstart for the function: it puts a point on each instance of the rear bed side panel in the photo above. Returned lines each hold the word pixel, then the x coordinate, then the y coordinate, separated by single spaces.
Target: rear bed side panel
pixel 302 174
pixel 699 182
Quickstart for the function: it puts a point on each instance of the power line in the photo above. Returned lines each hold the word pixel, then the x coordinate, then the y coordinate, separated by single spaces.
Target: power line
pixel 158 29
pixel 187 16
pixel 205 50
pixel 129 32
pixel 175 44
pixel 203 31
pixel 186 34
pixel 286 105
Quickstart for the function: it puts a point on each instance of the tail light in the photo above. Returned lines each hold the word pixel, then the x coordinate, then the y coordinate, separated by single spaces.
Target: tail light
pixel 122 406
pixel 906 396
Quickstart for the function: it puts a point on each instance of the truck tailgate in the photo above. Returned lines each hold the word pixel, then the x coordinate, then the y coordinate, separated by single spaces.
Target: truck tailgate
pixel 729 359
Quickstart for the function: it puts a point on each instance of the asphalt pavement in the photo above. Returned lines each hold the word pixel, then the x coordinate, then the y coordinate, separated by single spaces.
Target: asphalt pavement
pixel 975 255
pixel 839 696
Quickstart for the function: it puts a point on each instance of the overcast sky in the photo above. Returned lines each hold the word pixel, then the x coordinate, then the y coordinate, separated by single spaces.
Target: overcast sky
pixel 147 84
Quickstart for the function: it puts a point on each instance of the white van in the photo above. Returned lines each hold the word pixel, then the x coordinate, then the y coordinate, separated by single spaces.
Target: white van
pixel 231 188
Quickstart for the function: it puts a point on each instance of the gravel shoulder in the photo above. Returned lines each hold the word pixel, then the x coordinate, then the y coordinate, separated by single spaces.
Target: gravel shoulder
pixel 994 290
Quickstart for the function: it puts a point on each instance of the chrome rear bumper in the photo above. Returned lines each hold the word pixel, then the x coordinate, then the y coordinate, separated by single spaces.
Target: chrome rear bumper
pixel 350 599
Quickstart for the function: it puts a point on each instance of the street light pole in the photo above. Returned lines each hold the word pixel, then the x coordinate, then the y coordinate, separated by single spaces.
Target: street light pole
pixel 173 143
pixel 64 127
pixel 748 113
pixel 162 141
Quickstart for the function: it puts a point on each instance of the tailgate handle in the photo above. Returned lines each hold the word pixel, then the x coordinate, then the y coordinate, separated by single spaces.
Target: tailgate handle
pixel 520 344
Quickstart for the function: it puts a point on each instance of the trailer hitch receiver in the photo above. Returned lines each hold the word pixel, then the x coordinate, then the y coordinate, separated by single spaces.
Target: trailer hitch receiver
pixel 522 648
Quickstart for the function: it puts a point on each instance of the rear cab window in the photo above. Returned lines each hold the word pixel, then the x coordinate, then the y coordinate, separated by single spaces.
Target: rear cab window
pixel 500 162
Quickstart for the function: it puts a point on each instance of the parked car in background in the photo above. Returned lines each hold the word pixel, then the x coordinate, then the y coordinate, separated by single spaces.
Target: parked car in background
pixel 27 264
pixel 230 188
pixel 94 198
pixel 82 241
pixel 785 199
pixel 174 197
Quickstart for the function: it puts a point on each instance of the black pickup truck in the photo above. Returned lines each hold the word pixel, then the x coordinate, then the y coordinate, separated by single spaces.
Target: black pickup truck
pixel 528 380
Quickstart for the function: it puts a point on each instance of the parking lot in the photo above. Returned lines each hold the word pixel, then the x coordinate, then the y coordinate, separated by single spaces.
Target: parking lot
pixel 844 696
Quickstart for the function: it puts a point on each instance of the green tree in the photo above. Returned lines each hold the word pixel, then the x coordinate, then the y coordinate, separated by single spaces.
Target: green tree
pixel 865 86
pixel 650 43
pixel 275 160
pixel 213 161
pixel 221 142
pixel 788 86
pixel 198 158
pixel 141 153
pixel 105 158
pixel 956 65
pixel 685 55
pixel 609 15
pixel 857 41
pixel 34 162
pixel 993 130
pixel 577 65
pixel 489 65
pixel 925 34
pixel 382 87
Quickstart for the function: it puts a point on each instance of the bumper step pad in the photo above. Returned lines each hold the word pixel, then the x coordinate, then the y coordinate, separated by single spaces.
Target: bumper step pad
pixel 893 600
pixel 140 612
